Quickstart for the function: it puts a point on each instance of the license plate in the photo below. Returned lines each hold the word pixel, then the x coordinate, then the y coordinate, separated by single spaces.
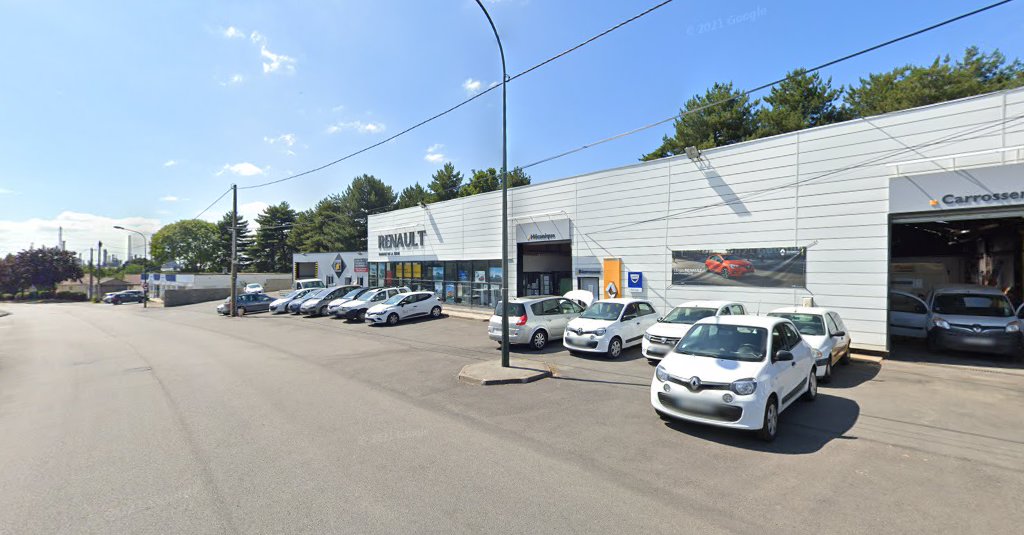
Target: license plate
pixel 980 342
pixel 655 350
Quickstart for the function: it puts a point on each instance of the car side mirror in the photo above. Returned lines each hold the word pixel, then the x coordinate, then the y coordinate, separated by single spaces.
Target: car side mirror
pixel 661 319
pixel 839 333
pixel 782 355
pixel 628 317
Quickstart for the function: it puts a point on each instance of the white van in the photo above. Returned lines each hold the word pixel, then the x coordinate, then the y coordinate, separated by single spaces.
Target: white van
pixel 302 284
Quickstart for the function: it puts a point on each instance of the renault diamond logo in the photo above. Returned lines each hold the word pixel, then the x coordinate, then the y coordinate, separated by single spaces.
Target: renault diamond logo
pixel 579 331
pixel 694 383
pixel 977 328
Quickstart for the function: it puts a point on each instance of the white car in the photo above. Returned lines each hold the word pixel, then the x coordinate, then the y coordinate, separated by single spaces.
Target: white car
pixel 739 372
pixel 661 337
pixel 356 309
pixel 404 306
pixel 280 306
pixel 334 305
pixel 254 288
pixel 302 284
pixel 608 326
pixel 824 331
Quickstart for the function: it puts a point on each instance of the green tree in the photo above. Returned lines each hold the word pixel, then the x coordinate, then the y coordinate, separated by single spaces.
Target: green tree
pixel 318 229
pixel 910 86
pixel 243 245
pixel 722 116
pixel 445 183
pixel 270 251
pixel 46 266
pixel 489 179
pixel 801 101
pixel 366 195
pixel 191 242
pixel 12 280
pixel 413 196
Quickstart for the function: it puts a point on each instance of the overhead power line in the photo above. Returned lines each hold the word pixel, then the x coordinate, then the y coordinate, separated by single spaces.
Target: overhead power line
pixel 770 84
pixel 212 203
pixel 461 104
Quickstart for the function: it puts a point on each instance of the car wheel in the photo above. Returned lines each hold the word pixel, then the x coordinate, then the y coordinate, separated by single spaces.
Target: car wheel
pixel 932 344
pixel 361 315
pixel 116 301
pixel 812 386
pixel 827 378
pixel 392 319
pixel 615 348
pixel 539 340
pixel 770 424
pixel 845 359
pixel 241 311
pixel 435 312
pixel 725 273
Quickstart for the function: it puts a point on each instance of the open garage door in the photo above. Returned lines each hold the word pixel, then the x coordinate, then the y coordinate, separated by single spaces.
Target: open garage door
pixel 981 250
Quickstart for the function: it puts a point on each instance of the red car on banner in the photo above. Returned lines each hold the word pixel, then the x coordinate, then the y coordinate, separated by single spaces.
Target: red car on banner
pixel 728 265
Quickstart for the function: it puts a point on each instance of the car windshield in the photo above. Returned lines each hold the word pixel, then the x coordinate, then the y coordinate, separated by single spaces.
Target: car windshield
pixel 320 293
pixel 253 285
pixel 730 342
pixel 514 309
pixel 355 293
pixel 395 299
pixel 996 306
pixel 731 257
pixel 809 324
pixel 602 311
pixel 688 315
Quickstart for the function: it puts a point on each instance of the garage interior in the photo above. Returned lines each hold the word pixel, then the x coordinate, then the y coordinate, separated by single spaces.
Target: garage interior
pixel 984 248
pixel 544 268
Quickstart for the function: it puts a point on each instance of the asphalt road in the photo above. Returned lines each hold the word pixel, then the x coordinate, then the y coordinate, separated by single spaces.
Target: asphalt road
pixel 124 420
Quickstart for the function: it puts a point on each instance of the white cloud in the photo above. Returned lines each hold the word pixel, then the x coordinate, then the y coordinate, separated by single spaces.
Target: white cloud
pixel 235 79
pixel 358 126
pixel 169 198
pixel 471 85
pixel 170 163
pixel 433 153
pixel 81 231
pixel 337 108
pixel 257 37
pixel 275 62
pixel 285 139
pixel 241 169
pixel 5 191
pixel 233 33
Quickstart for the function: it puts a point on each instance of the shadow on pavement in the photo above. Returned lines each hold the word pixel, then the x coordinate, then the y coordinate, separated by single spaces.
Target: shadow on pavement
pixel 803 427
pixel 627 355
pixel 909 350
pixel 851 375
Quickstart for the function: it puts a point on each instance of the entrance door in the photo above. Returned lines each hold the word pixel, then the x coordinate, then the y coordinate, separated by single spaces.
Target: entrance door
pixel 590 284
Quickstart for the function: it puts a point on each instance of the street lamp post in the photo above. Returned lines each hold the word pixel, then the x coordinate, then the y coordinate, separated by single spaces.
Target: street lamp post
pixel 504 192
pixel 145 283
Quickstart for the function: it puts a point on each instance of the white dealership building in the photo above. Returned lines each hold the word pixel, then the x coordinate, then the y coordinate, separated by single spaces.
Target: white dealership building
pixel 835 215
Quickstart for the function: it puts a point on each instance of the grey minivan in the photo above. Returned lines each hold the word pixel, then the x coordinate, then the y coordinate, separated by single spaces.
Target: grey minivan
pixel 958 317
pixel 534 320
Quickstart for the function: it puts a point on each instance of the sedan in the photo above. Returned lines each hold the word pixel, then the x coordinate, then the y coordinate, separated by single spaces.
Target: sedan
pixel 247 304
pixel 405 306
pixel 280 306
pixel 824 331
pixel 254 288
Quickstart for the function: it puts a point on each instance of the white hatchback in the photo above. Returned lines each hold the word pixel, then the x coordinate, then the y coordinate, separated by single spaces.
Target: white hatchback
pixel 661 337
pixel 735 371
pixel 405 306
pixel 824 331
pixel 608 326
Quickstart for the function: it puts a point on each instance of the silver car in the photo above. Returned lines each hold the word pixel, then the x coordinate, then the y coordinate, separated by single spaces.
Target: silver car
pixel 534 320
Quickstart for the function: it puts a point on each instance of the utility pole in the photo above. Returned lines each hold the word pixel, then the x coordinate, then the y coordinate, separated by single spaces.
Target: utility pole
pixel 234 247
pixel 99 253
pixel 504 193
pixel 90 274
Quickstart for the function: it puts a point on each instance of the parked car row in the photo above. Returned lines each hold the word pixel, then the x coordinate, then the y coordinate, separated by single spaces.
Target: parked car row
pixel 354 303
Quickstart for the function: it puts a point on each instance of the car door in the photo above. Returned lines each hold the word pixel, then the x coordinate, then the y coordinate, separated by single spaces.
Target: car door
pixel 567 311
pixel 264 302
pixel 779 371
pixel 648 316
pixel 629 328
pixel 908 315
pixel 803 359
pixel 414 305
pixel 842 343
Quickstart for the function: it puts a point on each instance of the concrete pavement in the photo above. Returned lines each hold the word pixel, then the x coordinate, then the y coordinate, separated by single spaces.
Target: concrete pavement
pixel 119 419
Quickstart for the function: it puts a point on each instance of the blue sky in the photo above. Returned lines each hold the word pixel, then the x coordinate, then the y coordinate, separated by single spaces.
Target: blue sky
pixel 142 113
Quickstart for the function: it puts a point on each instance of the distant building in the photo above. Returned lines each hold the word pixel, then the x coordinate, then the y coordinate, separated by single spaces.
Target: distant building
pixel 336 268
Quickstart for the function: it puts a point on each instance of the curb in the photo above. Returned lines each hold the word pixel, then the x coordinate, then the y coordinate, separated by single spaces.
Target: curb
pixel 487 373
pixel 870 359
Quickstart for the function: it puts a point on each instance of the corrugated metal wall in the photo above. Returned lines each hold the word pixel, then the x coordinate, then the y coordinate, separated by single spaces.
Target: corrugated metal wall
pixel 825 189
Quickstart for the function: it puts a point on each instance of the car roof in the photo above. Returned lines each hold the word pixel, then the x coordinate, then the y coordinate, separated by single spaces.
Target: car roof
pixel 767 322
pixel 529 298
pixel 622 300
pixel 707 304
pixel 966 288
pixel 803 310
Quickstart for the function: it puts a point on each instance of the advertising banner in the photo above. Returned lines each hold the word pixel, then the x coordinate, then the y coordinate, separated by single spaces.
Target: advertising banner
pixel 764 267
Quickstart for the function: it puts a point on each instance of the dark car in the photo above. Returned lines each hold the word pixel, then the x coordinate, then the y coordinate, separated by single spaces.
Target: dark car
pixel 247 304
pixel 317 304
pixel 295 304
pixel 126 296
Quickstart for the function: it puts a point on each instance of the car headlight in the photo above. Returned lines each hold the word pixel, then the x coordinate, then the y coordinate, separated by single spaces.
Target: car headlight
pixel 661 374
pixel 647 336
pixel 1013 327
pixel 601 331
pixel 743 387
pixel 940 323
pixel 816 353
